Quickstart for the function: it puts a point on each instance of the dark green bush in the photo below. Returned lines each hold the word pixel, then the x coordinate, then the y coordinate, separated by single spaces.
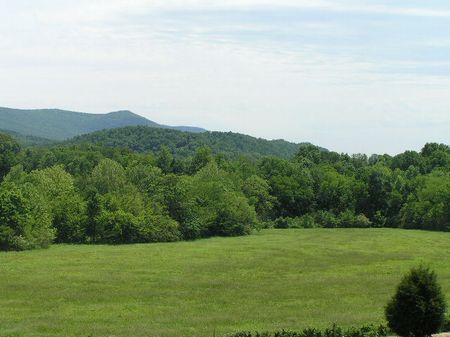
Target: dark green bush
pixel 159 228
pixel 305 221
pixel 281 223
pixel 418 307
pixel 348 219
pixel 325 219
pixel 234 216
pixel 446 326
pixel 116 227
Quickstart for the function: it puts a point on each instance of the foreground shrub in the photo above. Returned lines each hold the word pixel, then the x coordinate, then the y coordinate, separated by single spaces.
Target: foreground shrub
pixel 334 331
pixel 418 307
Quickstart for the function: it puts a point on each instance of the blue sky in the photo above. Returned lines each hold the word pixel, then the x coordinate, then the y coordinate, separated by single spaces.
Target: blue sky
pixel 352 76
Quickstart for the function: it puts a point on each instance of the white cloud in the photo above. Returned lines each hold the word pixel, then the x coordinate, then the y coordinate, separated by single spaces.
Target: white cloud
pixel 109 55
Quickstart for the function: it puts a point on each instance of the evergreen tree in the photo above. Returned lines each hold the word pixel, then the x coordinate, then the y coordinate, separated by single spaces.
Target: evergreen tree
pixel 418 307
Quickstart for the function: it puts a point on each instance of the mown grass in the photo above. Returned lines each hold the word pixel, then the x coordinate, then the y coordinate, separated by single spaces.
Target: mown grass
pixel 273 279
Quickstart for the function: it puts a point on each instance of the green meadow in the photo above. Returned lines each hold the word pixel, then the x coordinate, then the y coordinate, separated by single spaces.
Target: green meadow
pixel 270 280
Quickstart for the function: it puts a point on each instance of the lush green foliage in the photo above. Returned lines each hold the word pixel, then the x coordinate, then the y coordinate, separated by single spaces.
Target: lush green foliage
pixel 57 124
pixel 25 220
pixel 27 140
pixel 429 206
pixel 274 279
pixel 8 149
pixel 446 326
pixel 102 194
pixel 185 144
pixel 334 331
pixel 418 307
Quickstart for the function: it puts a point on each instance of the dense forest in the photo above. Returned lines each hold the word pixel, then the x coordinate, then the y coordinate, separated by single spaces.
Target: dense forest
pixel 185 144
pixel 27 140
pixel 87 193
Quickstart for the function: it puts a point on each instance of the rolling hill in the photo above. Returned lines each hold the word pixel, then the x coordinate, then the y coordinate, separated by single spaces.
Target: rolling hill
pixel 28 140
pixel 144 138
pixel 55 124
pixel 129 130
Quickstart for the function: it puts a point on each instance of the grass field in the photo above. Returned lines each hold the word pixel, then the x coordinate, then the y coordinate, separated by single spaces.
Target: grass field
pixel 273 279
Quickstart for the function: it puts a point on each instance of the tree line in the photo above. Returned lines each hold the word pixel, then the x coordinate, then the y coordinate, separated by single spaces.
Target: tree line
pixel 98 194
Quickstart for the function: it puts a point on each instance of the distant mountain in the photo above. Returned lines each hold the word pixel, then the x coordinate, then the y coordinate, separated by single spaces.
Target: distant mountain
pixel 55 124
pixel 143 138
pixel 127 129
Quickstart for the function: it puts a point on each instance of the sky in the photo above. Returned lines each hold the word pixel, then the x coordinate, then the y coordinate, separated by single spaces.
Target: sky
pixel 356 76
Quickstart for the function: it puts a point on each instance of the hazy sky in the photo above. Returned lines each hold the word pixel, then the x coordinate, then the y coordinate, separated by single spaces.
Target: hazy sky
pixel 352 76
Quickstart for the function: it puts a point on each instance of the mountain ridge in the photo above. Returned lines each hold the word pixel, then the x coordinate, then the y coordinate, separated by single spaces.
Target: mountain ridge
pixel 59 125
pixel 124 128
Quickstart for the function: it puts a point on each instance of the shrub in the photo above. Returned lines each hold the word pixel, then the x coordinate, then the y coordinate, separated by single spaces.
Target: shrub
pixel 234 216
pixel 326 219
pixel 116 227
pixel 446 325
pixel 159 228
pixel 345 219
pixel 281 223
pixel 348 219
pixel 305 221
pixel 334 331
pixel 417 309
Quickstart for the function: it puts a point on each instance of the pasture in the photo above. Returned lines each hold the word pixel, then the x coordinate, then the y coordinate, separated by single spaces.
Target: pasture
pixel 272 279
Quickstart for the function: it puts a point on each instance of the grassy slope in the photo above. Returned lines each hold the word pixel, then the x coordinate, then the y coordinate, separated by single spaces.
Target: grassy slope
pixel 273 279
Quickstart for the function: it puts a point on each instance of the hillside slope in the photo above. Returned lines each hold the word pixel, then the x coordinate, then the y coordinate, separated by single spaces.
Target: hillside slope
pixel 143 138
pixel 55 124
pixel 28 140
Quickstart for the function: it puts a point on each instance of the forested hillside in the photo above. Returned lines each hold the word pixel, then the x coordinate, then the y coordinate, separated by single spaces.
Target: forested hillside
pixel 100 194
pixel 184 144
pixel 28 140
pixel 58 124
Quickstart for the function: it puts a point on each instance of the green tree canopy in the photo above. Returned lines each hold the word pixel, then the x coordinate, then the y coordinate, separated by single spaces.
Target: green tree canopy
pixel 8 150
